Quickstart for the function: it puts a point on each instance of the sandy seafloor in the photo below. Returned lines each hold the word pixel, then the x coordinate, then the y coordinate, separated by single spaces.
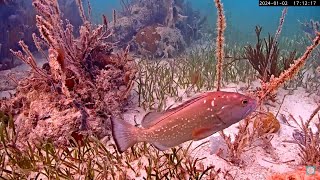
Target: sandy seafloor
pixel 258 163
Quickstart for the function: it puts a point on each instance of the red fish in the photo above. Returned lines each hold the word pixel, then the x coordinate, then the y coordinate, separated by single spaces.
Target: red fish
pixel 195 119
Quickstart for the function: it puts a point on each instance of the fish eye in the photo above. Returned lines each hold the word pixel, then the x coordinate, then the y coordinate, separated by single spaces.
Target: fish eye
pixel 244 101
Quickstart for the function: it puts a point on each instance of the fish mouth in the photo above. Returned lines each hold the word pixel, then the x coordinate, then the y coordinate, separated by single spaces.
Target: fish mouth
pixel 246 113
pixel 252 108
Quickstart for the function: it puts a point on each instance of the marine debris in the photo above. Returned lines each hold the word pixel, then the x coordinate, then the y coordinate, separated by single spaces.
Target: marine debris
pixel 80 86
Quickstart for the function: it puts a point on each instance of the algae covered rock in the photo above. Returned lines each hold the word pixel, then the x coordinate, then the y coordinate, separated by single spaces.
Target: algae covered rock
pixel 159 41
pixel 83 83
pixel 266 123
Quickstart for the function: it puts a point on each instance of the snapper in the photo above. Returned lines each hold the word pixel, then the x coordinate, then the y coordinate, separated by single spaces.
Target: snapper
pixel 194 119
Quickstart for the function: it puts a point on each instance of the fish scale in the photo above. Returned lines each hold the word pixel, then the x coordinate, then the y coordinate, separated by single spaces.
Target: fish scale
pixel 194 119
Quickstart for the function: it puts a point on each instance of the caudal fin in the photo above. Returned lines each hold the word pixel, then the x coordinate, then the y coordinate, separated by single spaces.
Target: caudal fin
pixel 123 134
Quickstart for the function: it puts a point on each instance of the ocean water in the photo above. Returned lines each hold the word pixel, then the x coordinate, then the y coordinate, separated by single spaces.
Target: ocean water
pixel 18 22
pixel 242 16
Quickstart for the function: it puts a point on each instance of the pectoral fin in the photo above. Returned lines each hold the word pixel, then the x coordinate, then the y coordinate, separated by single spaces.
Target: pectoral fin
pixel 202 133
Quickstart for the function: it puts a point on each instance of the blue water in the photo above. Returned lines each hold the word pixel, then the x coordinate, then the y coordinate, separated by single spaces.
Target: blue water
pixel 242 15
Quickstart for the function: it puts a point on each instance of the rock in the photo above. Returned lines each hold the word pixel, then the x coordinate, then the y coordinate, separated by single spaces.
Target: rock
pixel 266 123
pixel 158 41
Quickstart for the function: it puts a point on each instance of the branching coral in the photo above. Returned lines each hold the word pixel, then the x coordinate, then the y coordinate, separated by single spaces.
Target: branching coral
pixel 260 62
pixel 308 138
pixel 221 26
pixel 258 59
pixel 276 36
pixel 264 57
pixel 243 139
pixel 276 82
pixel 83 79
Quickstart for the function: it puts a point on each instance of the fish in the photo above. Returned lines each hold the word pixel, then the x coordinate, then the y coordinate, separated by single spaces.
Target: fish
pixel 195 119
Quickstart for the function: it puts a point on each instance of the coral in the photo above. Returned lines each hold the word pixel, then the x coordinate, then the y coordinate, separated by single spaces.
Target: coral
pixel 260 56
pixel 310 28
pixel 124 29
pixel 266 123
pixel 275 40
pixel 243 139
pixel 9 80
pixel 135 16
pixel 173 13
pixel 160 41
pixel 221 26
pixel 308 140
pixel 193 27
pixel 80 86
pixel 17 23
pixel 139 16
pixel 148 38
pixel 8 64
pixel 275 83
pixel 171 38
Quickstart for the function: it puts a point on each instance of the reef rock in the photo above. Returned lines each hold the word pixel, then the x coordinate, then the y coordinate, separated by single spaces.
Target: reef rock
pixel 163 17
pixel 83 84
pixel 140 14
pixel 266 123
pixel 158 41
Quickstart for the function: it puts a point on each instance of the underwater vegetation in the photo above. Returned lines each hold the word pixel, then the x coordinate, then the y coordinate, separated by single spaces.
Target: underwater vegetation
pixel 94 159
pixel 259 56
pixel 58 123
pixel 78 80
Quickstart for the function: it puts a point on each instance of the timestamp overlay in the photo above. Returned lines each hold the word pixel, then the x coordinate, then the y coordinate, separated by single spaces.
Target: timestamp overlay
pixel 289 2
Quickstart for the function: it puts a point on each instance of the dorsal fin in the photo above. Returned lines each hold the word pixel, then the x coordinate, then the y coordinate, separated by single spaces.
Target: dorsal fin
pixel 188 102
pixel 153 118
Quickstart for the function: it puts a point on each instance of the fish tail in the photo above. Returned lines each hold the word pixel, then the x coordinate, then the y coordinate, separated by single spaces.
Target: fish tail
pixel 124 134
